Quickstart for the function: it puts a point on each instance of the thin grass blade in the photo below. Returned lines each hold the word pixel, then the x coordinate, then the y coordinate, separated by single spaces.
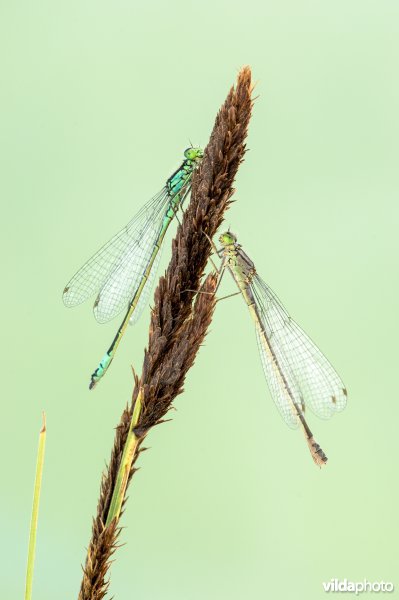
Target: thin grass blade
pixel 35 510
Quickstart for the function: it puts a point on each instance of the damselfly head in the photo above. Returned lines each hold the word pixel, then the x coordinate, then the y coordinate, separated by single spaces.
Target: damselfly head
pixel 228 238
pixel 194 153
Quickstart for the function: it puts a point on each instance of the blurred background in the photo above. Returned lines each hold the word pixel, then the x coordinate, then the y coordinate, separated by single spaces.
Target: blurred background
pixel 99 101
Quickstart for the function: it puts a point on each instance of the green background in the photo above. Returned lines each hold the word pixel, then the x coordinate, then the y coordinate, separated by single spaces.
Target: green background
pixel 98 101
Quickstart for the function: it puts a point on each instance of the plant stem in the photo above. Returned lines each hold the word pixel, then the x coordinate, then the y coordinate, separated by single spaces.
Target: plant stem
pixel 128 455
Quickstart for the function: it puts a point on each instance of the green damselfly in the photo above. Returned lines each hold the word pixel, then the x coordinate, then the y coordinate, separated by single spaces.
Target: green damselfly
pixel 297 373
pixel 122 272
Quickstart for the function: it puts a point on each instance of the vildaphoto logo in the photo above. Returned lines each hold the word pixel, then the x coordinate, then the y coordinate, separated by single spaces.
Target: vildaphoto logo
pixel 357 587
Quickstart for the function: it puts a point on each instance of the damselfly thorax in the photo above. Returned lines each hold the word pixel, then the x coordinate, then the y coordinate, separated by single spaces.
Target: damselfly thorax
pixel 239 262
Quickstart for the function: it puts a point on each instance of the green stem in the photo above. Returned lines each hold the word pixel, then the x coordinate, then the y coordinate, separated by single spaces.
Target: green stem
pixel 35 510
pixel 128 455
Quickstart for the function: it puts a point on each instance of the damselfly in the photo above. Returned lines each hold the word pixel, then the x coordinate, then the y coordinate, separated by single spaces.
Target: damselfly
pixel 297 373
pixel 122 272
